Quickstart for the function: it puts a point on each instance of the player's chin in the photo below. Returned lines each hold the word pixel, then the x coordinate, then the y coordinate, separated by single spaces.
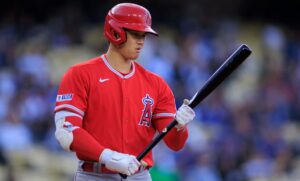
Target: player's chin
pixel 135 56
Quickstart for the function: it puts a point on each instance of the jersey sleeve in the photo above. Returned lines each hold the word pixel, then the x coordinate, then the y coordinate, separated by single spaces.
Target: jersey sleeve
pixel 72 92
pixel 72 96
pixel 165 107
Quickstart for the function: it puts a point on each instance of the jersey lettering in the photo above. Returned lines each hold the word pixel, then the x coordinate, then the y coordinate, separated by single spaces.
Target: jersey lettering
pixel 147 111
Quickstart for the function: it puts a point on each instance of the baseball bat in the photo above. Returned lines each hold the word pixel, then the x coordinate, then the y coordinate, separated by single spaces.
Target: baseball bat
pixel 231 64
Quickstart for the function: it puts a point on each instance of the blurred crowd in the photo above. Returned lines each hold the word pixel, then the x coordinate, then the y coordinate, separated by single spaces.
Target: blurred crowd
pixel 246 130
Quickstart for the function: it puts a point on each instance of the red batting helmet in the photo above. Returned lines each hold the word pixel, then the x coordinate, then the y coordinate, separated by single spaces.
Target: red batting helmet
pixel 126 16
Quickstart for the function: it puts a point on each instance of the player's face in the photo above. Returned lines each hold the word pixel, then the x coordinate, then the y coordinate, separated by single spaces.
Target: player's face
pixel 133 45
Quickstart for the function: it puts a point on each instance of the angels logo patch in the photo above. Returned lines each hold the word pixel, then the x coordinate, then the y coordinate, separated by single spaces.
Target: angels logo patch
pixel 147 111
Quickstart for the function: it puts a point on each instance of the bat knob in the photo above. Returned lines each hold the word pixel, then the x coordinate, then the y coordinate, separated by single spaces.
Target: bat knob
pixel 124 176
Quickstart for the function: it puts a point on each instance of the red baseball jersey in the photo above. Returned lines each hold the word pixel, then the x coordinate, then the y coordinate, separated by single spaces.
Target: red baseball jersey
pixel 119 111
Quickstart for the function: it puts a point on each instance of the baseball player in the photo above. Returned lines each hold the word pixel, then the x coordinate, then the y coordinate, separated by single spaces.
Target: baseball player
pixel 108 108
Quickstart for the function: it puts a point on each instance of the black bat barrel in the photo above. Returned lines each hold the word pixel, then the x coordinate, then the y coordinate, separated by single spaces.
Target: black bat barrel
pixel 232 62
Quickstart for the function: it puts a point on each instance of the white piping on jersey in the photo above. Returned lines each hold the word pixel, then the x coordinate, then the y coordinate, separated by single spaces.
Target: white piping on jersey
pixel 64 113
pixel 116 72
pixel 71 107
pixel 163 115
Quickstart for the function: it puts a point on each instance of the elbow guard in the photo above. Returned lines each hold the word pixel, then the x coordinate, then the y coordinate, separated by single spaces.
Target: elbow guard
pixel 64 129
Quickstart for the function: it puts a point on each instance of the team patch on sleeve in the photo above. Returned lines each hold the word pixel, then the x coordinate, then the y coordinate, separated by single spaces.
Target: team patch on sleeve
pixel 64 97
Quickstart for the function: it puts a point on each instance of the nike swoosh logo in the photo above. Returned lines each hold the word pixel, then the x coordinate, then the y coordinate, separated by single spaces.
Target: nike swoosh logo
pixel 103 80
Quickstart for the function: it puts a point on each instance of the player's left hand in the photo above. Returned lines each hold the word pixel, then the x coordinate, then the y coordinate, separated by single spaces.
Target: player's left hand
pixel 184 115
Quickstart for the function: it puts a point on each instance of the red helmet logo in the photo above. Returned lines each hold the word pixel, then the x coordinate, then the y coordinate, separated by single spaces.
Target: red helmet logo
pixel 126 16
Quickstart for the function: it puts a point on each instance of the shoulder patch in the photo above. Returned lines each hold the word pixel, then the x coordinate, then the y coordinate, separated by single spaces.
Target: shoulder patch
pixel 64 97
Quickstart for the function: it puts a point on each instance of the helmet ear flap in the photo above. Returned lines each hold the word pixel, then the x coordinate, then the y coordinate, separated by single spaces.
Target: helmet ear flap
pixel 114 32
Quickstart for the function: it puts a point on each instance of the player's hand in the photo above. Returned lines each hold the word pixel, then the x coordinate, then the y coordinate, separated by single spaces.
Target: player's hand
pixel 184 115
pixel 143 164
pixel 119 162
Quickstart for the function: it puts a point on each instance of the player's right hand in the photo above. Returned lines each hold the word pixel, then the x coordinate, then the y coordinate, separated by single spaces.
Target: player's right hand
pixel 119 162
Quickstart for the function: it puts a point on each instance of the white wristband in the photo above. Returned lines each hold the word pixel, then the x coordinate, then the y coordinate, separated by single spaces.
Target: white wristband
pixel 105 156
